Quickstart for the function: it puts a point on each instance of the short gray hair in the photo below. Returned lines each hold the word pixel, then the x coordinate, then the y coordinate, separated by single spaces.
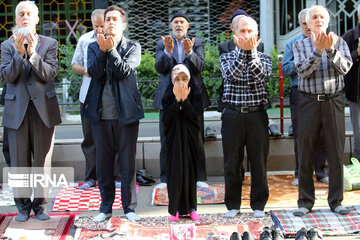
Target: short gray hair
pixel 327 15
pixel 97 12
pixel 302 13
pixel 30 4
pixel 249 19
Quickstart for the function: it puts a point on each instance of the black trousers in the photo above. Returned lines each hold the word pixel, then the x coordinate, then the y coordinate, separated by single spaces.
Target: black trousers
pixel 111 140
pixel 239 130
pixel 312 116
pixel 321 166
pixel 34 139
pixel 6 149
pixel 201 164
pixel 89 150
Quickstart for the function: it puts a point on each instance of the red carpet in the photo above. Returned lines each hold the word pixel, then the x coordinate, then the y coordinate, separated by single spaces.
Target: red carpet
pixel 74 199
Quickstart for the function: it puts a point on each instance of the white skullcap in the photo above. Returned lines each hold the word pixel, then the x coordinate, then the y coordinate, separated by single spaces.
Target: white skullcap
pixel 178 69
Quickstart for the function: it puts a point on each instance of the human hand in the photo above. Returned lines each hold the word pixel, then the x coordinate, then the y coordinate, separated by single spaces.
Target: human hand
pixel 188 44
pixel 246 44
pixel 320 41
pixel 332 38
pixel 19 43
pixel 358 49
pixel 168 43
pixel 181 91
pixel 32 42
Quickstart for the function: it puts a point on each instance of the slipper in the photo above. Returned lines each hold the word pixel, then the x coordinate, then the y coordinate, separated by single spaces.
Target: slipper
pixel 142 181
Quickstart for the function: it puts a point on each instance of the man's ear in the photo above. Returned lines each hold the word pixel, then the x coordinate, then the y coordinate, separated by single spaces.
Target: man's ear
pixel 37 20
pixel 232 27
pixel 124 26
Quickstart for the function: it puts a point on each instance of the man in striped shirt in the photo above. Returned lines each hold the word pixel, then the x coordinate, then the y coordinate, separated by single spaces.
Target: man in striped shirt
pixel 321 62
pixel 244 119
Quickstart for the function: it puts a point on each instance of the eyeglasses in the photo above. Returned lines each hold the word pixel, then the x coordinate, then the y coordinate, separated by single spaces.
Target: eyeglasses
pixel 303 24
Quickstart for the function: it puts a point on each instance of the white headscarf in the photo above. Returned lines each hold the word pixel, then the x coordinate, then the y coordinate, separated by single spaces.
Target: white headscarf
pixel 178 69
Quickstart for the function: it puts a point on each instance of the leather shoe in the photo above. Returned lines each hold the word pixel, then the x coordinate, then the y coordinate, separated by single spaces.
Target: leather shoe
pixel 234 236
pixel 314 234
pixel 274 130
pixel 142 181
pixel 277 234
pixel 247 236
pixel 266 234
pixel 210 133
pixel 301 234
pixel 291 131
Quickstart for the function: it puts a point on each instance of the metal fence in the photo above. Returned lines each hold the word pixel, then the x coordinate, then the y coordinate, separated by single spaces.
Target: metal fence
pixel 147 88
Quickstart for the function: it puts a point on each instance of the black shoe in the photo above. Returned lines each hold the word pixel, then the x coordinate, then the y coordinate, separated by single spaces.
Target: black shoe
pixel 266 234
pixel 274 130
pixel 277 234
pixel 234 236
pixel 247 236
pixel 314 234
pixel 301 234
pixel 142 182
pixel 210 133
pixel 291 131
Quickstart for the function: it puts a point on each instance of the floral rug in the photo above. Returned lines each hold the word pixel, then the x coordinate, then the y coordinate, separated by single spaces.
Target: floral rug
pixel 56 228
pixel 159 227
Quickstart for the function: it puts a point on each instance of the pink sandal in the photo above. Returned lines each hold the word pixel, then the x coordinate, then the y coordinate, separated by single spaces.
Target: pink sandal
pixel 194 216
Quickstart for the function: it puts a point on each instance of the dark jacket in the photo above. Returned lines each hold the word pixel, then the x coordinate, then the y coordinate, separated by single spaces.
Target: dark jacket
pixel 121 63
pixel 164 65
pixel 352 78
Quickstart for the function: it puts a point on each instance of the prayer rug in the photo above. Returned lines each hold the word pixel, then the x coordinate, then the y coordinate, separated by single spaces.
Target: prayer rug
pixel 56 228
pixel 211 195
pixel 281 193
pixel 159 227
pixel 74 199
pixel 328 222
pixel 6 196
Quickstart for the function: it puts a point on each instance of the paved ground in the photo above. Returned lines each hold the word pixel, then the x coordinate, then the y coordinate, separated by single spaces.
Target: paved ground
pixel 145 209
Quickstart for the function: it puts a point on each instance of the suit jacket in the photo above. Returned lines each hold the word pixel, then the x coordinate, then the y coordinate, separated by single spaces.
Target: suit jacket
pixel 118 65
pixel 30 79
pixel 164 65
pixel 352 78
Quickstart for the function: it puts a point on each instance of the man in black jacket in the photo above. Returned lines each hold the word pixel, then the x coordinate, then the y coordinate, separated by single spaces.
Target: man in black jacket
pixel 113 104
pixel 352 82
pixel 170 51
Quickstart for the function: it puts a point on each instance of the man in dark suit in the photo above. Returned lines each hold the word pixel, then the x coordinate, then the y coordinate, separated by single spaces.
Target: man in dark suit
pixel 170 51
pixel 28 66
pixel 113 105
pixel 352 82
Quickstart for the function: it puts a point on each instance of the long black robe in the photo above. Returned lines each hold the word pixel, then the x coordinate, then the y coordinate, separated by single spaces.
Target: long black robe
pixel 183 147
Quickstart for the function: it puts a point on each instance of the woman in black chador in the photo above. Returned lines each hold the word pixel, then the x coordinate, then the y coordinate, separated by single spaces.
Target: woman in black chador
pixel 182 107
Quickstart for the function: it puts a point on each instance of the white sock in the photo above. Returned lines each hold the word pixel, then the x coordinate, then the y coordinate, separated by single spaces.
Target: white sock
pixel 161 186
pixel 200 184
pixel 259 213
pixel 132 216
pixel 101 217
pixel 232 213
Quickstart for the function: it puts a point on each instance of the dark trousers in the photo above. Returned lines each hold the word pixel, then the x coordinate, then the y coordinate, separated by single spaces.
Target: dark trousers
pixel 321 166
pixel 6 149
pixel 239 130
pixel 32 138
pixel 89 150
pixel 201 162
pixel 314 115
pixel 111 140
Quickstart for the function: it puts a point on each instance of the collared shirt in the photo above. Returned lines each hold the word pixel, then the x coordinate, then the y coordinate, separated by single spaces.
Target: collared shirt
pixel 80 57
pixel 244 73
pixel 321 72
pixel 180 51
pixel 288 65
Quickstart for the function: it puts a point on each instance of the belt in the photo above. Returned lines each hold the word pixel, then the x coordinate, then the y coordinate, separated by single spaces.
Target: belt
pixel 245 109
pixel 320 97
